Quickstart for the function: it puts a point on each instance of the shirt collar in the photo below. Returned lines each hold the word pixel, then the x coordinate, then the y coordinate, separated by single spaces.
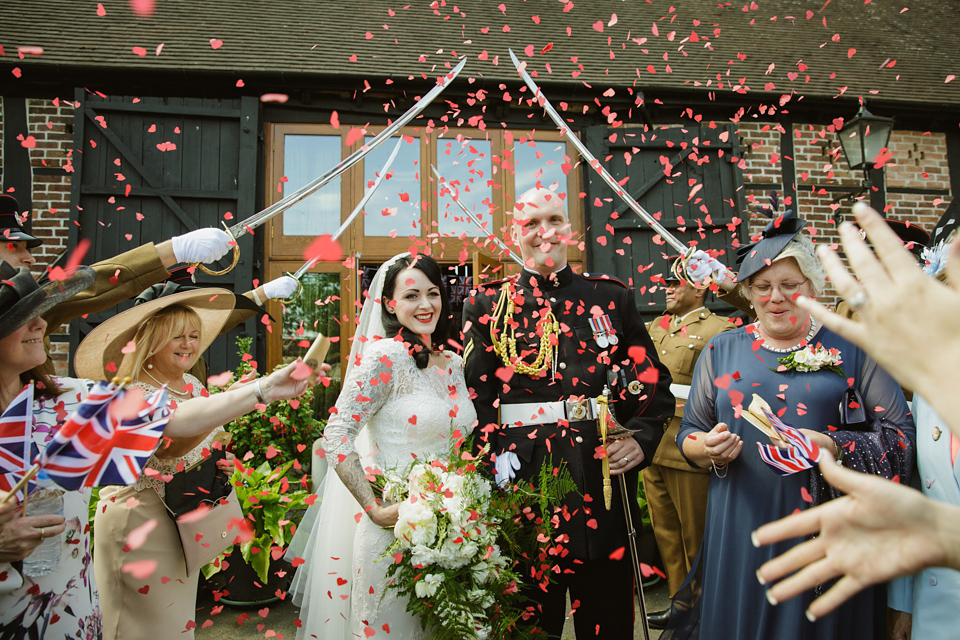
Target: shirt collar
pixel 530 279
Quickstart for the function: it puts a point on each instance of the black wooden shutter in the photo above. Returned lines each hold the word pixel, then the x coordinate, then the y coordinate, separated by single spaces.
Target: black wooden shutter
pixel 148 169
pixel 665 166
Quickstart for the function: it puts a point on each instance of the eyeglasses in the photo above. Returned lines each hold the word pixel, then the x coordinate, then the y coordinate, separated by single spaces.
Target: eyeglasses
pixel 787 289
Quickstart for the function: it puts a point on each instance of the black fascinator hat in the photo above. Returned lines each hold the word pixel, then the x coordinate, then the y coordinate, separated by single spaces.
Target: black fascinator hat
pixel 755 256
pixel 22 299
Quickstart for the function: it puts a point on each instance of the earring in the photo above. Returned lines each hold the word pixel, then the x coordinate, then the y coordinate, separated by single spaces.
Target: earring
pixel 751 306
pixel 149 366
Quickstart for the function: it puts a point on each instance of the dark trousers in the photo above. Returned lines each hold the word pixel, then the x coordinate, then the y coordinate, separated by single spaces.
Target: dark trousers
pixel 601 595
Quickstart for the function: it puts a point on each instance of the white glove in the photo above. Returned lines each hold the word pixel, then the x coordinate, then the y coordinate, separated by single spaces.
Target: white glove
pixel 701 267
pixel 507 465
pixel 282 287
pixel 202 245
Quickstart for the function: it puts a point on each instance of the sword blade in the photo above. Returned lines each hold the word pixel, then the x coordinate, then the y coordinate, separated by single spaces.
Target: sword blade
pixel 473 218
pixel 259 218
pixel 634 557
pixel 593 162
pixel 356 210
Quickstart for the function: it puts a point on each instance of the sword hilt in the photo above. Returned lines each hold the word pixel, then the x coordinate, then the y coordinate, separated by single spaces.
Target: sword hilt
pixel 222 272
pixel 296 294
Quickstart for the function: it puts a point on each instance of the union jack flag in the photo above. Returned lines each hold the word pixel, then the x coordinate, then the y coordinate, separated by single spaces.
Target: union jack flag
pixel 802 454
pixel 17 448
pixel 94 448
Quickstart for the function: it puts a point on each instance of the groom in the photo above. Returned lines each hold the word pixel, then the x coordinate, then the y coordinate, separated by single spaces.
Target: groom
pixel 540 348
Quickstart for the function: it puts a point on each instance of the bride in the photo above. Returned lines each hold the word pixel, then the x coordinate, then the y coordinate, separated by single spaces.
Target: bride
pixel 403 398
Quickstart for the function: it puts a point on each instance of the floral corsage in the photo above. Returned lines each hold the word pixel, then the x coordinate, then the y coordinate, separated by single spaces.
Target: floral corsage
pixel 812 359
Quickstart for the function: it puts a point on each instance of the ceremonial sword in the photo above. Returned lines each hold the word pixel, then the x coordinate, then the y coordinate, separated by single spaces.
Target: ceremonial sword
pixel 346 223
pixel 593 162
pixel 453 196
pixel 257 219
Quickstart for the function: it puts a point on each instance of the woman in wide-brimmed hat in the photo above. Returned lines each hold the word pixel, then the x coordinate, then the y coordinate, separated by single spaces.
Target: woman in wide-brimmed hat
pixel 155 343
pixel 64 602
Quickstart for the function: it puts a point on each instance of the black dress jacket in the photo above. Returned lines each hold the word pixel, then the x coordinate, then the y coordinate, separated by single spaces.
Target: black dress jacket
pixel 588 360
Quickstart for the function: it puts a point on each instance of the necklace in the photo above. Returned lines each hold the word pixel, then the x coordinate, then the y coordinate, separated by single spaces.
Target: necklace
pixel 182 394
pixel 755 330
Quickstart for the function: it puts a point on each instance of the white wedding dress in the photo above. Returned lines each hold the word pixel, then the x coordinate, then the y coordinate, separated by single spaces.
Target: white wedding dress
pixel 402 413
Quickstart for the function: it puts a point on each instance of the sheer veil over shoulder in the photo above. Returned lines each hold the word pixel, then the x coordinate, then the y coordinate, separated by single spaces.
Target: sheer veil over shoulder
pixel 321 586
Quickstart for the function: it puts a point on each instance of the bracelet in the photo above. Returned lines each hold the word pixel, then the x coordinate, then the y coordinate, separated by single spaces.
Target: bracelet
pixel 256 298
pixel 258 392
pixel 718 467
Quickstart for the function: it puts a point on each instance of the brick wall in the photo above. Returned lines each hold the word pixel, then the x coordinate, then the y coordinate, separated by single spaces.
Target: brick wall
pixel 919 160
pixel 50 122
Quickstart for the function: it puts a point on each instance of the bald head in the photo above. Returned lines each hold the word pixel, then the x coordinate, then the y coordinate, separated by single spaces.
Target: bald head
pixel 540 228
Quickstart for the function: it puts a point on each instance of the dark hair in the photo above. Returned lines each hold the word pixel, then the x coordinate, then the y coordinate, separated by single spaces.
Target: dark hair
pixel 392 325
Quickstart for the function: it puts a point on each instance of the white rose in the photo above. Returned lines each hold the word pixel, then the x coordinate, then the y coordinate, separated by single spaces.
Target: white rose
pixel 803 357
pixel 416 523
pixel 423 555
pixel 427 585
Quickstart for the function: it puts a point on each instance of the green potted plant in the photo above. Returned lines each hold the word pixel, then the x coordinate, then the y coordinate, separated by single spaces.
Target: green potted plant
pixel 272 483
pixel 268 500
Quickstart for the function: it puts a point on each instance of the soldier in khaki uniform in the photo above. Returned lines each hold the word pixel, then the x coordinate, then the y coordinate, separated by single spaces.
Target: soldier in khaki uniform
pixel 676 492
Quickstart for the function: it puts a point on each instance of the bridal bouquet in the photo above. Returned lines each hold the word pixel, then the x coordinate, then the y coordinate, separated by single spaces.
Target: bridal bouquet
pixel 447 557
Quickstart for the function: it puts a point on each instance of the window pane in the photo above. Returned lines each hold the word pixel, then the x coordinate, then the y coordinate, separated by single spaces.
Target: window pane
pixel 539 163
pixel 466 166
pixel 394 210
pixel 315 311
pixel 305 158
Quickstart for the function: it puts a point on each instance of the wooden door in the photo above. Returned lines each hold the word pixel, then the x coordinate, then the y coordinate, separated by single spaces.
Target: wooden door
pixel 687 178
pixel 148 169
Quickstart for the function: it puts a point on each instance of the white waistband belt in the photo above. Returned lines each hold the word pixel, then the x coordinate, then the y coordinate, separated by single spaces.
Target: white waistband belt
pixel 532 413
pixel 680 391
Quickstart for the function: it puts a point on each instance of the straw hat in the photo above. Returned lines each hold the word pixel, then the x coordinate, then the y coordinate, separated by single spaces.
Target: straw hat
pixel 22 299
pixel 104 344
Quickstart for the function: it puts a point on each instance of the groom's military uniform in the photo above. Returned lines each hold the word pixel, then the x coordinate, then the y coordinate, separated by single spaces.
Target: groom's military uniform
pixel 551 413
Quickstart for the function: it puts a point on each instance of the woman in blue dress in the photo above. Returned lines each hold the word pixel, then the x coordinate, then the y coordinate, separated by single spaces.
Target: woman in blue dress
pixel 744 491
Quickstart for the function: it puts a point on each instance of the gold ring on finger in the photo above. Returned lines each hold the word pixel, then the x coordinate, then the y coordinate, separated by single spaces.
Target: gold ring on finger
pixel 41 533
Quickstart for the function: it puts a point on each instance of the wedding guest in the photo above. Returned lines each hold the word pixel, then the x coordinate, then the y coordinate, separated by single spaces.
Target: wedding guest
pixel 762 358
pixel 64 602
pixel 168 335
pixel 246 306
pixel 403 397
pixel 540 348
pixel 676 492
pixel 916 318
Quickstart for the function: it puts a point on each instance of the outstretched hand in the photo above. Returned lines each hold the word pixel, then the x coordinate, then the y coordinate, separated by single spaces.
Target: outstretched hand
pixel 878 531
pixel 909 322
pixel 282 385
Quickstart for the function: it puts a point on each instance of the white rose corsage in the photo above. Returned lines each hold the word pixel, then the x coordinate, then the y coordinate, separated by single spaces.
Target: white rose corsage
pixel 812 359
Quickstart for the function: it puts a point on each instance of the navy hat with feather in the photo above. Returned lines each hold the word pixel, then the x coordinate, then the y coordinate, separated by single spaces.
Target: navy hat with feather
pixel 755 256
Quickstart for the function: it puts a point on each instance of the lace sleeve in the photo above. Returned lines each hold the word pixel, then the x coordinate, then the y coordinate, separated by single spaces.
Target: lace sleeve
pixel 365 389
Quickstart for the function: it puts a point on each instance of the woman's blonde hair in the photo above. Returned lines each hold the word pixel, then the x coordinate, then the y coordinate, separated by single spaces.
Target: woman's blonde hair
pixel 155 332
pixel 802 251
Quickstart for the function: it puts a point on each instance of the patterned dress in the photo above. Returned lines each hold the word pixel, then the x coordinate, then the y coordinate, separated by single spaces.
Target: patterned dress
pixel 63 603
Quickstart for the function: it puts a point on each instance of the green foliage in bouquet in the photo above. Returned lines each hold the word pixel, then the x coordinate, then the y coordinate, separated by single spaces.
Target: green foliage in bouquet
pixel 282 433
pixel 461 544
pixel 266 497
